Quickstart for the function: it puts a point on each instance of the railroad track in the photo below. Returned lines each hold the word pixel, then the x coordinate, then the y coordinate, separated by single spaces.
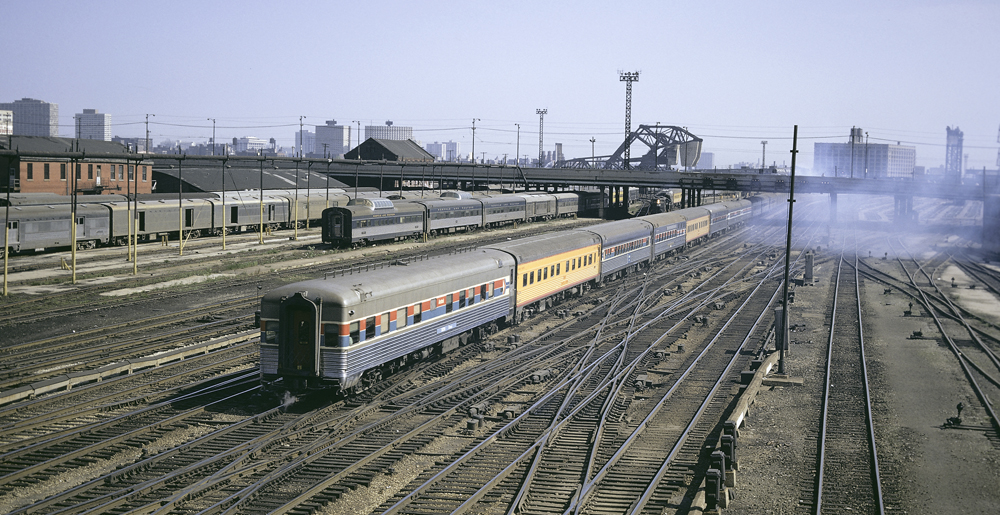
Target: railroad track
pixel 848 472
pixel 318 457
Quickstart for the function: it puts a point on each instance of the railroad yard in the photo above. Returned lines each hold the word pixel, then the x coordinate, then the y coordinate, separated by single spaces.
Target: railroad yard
pixel 141 393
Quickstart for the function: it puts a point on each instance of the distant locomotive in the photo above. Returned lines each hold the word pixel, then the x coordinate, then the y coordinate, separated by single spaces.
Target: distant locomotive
pixel 344 333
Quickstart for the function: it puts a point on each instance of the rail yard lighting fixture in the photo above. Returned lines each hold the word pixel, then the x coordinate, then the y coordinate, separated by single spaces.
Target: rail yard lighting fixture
pixel 593 159
pixel 763 153
pixel 213 135
pixel 359 136
pixel 261 195
pixel 541 133
pixel 628 78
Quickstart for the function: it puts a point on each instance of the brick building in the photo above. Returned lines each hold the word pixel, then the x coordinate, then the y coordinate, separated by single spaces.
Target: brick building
pixel 35 165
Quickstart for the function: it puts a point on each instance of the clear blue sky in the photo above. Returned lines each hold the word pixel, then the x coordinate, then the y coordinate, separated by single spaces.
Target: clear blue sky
pixel 734 73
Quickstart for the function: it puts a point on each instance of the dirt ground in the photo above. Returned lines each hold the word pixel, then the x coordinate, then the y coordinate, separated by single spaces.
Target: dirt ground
pixel 916 384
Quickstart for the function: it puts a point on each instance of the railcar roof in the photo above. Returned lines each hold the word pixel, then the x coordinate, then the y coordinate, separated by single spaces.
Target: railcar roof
pixel 365 286
pixel 544 245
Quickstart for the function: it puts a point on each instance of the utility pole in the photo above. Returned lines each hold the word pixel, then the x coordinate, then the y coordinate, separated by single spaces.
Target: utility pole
pixel 788 251
pixel 359 135
pixel 763 153
pixel 541 119
pixel 147 131
pixel 593 160
pixel 628 78
pixel 866 154
pixel 300 136
pixel 474 142
pixel 213 135
pixel 517 153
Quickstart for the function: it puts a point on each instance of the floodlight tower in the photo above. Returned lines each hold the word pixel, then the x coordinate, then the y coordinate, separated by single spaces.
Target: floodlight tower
pixel 628 78
pixel 541 119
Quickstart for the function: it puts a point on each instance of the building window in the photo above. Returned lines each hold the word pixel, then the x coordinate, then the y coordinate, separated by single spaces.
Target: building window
pixel 90 171
pixel 78 168
pixel 121 172
pixel 144 174
pixel 30 173
pixel 131 172
pixel 98 171
pixel 62 171
pixel 45 171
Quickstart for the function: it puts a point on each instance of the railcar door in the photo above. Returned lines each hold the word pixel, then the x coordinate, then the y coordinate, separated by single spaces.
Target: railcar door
pixel 337 225
pixel 298 344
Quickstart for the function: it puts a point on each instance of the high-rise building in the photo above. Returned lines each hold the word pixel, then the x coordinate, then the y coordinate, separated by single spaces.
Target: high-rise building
pixel 388 131
pixel 860 159
pixel 332 140
pixel 707 161
pixel 305 142
pixel 34 117
pixel 6 123
pixel 953 155
pixel 249 144
pixel 93 125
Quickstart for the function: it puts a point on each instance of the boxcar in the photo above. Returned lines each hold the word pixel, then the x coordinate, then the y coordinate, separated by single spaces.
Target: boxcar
pixel 345 332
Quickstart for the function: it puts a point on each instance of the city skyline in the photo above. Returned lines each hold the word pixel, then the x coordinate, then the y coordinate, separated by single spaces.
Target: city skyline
pixel 732 74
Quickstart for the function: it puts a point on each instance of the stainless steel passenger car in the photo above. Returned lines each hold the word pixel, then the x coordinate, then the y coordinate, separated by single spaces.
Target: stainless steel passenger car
pixel 344 332
pixel 450 215
pixel 539 206
pixel 366 220
pixel 502 209
pixel 37 227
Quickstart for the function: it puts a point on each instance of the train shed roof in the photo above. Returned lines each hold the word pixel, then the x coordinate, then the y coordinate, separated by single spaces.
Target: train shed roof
pixel 239 175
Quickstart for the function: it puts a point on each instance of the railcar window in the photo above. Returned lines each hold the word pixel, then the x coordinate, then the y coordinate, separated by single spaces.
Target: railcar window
pixel 401 318
pixel 449 303
pixel 271 334
pixel 545 273
pixel 559 268
pixel 355 332
pixel 417 315
pixel 532 277
pixel 385 323
pixel 370 328
pixel 461 299
pixel 524 279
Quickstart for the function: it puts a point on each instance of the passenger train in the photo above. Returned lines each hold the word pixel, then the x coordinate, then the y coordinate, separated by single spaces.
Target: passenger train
pixel 367 220
pixel 344 333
